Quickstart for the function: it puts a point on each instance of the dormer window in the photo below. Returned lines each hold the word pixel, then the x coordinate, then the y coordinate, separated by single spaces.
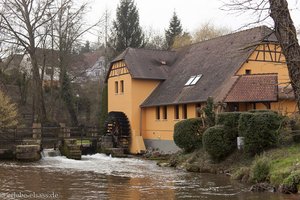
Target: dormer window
pixel 248 71
pixel 193 80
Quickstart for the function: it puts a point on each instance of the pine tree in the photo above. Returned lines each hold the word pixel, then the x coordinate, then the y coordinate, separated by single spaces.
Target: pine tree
pixel 174 30
pixel 127 30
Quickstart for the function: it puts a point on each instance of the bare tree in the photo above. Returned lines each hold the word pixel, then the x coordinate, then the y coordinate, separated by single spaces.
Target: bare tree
pixel 22 21
pixel 68 27
pixel 182 40
pixel 208 31
pixel 154 39
pixel 284 29
pixel 205 32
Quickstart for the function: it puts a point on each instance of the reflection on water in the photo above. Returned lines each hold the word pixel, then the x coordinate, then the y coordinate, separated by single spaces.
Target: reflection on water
pixel 102 177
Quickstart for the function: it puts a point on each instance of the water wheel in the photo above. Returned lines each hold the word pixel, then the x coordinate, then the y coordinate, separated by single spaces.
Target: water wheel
pixel 118 127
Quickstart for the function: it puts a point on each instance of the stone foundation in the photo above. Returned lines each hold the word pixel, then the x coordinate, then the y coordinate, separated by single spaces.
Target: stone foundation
pixel 28 153
pixel 70 149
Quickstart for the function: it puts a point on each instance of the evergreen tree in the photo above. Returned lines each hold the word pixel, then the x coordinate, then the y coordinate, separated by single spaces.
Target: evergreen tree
pixel 86 47
pixel 174 30
pixel 103 109
pixel 126 27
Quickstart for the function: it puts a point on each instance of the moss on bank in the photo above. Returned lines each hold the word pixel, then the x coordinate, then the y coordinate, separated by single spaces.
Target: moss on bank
pixel 199 161
pixel 279 167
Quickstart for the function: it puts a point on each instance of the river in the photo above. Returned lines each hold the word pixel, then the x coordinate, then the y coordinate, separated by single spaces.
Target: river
pixel 102 177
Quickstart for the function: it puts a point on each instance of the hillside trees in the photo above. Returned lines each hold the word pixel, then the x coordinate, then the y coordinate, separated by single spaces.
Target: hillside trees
pixel 66 30
pixel 126 28
pixel 46 24
pixel 284 30
pixel 22 22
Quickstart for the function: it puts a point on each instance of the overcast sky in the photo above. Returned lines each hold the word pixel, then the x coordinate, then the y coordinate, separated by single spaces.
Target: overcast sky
pixel 156 14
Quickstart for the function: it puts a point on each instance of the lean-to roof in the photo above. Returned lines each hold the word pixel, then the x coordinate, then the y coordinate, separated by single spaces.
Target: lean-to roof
pixel 254 88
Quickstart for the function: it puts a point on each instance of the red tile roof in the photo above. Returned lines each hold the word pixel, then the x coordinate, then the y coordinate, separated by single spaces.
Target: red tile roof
pixel 254 88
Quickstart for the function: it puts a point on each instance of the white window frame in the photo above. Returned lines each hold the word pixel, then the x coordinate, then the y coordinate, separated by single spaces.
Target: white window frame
pixel 193 80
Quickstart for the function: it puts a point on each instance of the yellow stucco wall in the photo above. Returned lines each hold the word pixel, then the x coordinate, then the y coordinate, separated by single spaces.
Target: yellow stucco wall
pixel 163 129
pixel 120 101
pixel 141 89
pixel 285 107
pixel 135 92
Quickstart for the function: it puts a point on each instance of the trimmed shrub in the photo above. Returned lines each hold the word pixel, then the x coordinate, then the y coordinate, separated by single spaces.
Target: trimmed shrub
pixel 244 120
pixel 188 134
pixel 260 131
pixel 262 111
pixel 260 169
pixel 217 141
pixel 230 119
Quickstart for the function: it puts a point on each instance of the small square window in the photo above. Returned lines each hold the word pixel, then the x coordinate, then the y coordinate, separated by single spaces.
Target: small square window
pixel 248 71
pixel 48 71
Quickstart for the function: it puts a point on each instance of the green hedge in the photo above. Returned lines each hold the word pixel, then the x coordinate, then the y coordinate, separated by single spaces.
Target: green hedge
pixel 218 142
pixel 260 131
pixel 244 120
pixel 230 119
pixel 188 134
pixel 262 111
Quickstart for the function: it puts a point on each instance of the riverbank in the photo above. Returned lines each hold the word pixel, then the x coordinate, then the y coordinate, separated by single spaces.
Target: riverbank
pixel 278 169
pixel 103 177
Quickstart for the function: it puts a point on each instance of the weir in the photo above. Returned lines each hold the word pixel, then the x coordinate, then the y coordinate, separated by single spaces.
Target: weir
pixel 85 141
pixel 50 153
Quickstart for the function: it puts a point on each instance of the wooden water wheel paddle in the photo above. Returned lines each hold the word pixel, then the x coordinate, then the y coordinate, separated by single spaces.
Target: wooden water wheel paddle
pixel 117 126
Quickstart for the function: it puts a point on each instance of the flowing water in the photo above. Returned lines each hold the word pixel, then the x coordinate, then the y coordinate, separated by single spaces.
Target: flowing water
pixel 102 177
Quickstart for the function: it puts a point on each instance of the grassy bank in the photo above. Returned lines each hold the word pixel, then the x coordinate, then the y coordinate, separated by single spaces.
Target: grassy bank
pixel 278 167
pixel 284 165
